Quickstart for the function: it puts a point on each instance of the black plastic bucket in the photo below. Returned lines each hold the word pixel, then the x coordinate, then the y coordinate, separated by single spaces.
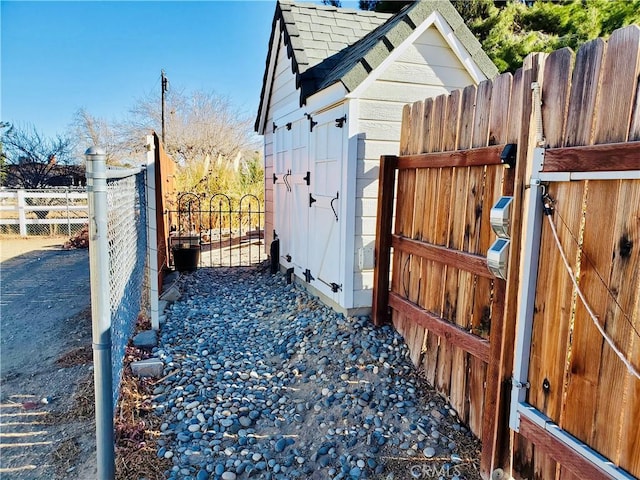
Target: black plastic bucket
pixel 186 258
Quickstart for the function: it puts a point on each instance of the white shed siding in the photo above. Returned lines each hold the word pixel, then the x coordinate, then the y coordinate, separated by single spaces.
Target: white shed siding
pixel 426 68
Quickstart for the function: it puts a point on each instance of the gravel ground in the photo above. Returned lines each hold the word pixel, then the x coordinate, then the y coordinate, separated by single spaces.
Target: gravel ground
pixel 264 381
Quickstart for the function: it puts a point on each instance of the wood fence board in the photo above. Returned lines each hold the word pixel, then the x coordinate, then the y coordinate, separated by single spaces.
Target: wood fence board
pixel 625 275
pixel 421 116
pixel 583 99
pixel 634 128
pixel 495 185
pixel 515 176
pixel 401 198
pixel 629 457
pixel 457 281
pixel 597 158
pixel 555 95
pixel 579 418
pixel 405 131
pixel 481 287
pixel 500 107
pixel 459 158
pixel 476 346
pixel 619 77
pixel 557 451
pixel 450 107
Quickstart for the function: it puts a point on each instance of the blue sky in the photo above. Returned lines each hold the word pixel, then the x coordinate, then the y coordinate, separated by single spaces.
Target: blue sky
pixel 57 57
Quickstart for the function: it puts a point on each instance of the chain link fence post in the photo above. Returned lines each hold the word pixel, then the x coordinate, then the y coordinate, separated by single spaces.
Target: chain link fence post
pixel 100 309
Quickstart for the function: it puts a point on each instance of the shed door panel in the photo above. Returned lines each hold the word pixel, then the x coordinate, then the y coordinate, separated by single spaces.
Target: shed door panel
pixel 299 194
pixel 281 200
pixel 325 249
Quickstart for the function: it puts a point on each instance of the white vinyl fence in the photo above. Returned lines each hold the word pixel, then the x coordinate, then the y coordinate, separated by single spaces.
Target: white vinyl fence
pixel 43 212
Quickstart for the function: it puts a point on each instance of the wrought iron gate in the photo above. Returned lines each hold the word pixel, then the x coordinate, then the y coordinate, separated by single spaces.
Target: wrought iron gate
pixel 229 232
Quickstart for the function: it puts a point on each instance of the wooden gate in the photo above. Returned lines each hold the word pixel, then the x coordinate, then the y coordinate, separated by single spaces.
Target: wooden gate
pixel 576 123
pixel 443 299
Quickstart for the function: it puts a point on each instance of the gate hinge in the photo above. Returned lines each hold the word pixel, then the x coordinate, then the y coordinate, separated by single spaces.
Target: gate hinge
pixel 307 276
pixel 307 178
pixel 311 200
pixel 340 121
pixel 275 179
pixel 275 127
pixel 333 286
pixel 311 122
pixel 519 385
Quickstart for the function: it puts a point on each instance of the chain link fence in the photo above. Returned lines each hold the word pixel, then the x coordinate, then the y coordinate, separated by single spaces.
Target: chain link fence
pixel 46 212
pixel 127 239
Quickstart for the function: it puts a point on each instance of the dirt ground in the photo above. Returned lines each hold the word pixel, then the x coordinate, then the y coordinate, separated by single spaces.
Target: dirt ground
pixel 46 419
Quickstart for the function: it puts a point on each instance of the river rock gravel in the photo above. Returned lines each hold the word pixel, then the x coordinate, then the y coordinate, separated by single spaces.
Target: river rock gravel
pixel 261 380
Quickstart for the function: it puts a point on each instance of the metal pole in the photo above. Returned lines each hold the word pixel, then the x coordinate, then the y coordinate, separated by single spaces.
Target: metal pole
pixel 152 234
pixel 100 311
pixel 163 83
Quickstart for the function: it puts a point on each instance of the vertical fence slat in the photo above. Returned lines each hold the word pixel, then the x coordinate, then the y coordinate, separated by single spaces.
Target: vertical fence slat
pixel 430 341
pixel 498 182
pixel 481 287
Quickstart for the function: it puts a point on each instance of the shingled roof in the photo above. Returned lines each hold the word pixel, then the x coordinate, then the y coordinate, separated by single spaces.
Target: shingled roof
pixel 329 44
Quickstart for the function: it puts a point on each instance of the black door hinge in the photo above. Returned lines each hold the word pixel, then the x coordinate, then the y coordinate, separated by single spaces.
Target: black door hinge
pixel 275 127
pixel 288 257
pixel 307 276
pixel 340 121
pixel 288 126
pixel 275 179
pixel 311 200
pixel 311 122
pixel 307 178
pixel 333 286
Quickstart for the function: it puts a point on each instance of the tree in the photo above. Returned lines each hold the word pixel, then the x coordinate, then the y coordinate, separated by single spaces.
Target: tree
pixel 333 3
pixel 31 160
pixel 93 131
pixel 383 6
pixel 509 31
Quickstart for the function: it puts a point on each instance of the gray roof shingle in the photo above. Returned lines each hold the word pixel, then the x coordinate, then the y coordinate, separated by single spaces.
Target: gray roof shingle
pixel 329 44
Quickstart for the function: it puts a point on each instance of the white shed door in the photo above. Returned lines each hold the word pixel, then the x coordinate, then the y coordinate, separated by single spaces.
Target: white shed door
pixel 299 193
pixel 325 247
pixel 291 193
pixel 281 196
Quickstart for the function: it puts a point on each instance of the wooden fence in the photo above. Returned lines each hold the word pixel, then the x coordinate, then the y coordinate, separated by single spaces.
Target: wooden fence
pixel 459 320
pixel 165 169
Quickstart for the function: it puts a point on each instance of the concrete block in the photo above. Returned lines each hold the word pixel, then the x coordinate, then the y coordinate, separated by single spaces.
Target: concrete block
pixel 146 339
pixel 172 294
pixel 152 367
pixel 162 305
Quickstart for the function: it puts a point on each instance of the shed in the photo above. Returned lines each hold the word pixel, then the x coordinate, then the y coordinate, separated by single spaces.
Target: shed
pixel 334 86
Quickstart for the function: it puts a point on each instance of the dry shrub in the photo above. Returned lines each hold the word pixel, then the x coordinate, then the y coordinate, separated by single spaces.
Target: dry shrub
pixel 77 356
pixel 137 428
pixel 79 240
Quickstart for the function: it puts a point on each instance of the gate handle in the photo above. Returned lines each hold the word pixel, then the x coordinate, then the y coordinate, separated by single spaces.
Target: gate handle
pixel 333 200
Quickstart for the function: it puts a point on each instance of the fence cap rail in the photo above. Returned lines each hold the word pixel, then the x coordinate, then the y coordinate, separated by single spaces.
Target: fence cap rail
pixel 119 172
